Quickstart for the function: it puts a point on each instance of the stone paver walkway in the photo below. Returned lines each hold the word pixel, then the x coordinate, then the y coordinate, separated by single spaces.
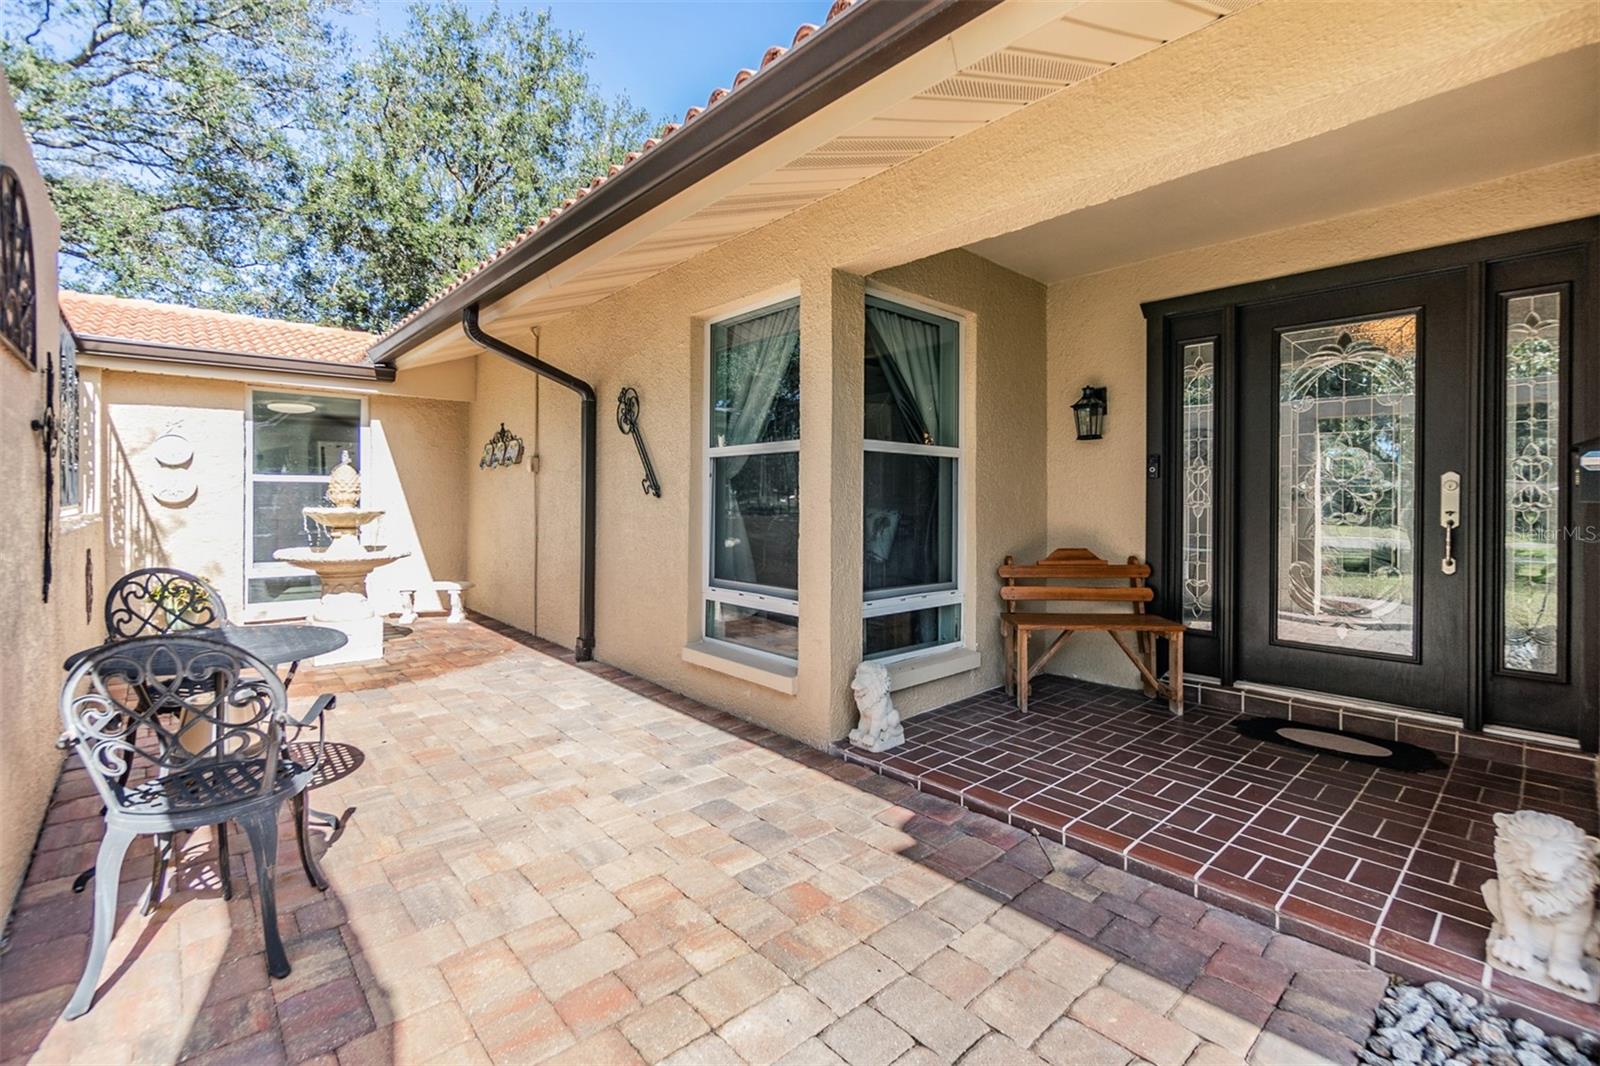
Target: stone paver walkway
pixel 554 863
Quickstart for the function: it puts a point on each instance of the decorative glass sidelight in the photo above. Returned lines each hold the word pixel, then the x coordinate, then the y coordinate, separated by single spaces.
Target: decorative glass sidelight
pixel 1530 590
pixel 1346 486
pixel 1199 420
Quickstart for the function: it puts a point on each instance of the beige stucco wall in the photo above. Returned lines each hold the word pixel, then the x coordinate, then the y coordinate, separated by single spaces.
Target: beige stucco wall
pixel 35 636
pixel 523 525
pixel 416 446
pixel 1097 336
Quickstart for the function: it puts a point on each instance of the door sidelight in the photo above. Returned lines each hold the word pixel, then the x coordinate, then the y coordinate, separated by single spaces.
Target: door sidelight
pixel 1449 516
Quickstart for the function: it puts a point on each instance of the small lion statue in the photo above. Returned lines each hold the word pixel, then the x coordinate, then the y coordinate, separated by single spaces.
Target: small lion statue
pixel 1543 898
pixel 880 728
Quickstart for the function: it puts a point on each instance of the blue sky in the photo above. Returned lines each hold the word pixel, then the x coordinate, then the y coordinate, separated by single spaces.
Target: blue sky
pixel 667 56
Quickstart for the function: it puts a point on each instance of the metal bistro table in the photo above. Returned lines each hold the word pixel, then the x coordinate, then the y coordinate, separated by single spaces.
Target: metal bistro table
pixel 275 645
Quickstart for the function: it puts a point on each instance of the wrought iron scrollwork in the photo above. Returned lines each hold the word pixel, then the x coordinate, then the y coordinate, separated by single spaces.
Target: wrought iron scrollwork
pixel 19 296
pixel 628 423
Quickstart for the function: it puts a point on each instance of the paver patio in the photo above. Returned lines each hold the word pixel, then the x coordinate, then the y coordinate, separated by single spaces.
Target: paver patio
pixel 563 863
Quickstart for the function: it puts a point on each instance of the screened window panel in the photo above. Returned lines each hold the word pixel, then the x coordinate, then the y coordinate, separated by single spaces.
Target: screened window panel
pixel 756 522
pixel 908 537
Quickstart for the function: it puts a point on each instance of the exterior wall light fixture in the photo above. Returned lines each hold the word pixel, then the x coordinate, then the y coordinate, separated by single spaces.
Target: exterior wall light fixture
pixel 1090 412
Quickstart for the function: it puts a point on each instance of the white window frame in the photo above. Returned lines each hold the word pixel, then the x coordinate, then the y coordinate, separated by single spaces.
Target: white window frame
pixel 253 570
pixel 748 598
pixel 904 602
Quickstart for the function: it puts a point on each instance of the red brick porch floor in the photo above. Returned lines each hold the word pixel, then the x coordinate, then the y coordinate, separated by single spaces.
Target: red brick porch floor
pixel 1378 865
pixel 549 862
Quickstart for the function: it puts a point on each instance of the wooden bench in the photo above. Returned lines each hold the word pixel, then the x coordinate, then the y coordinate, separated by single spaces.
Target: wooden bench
pixel 1028 583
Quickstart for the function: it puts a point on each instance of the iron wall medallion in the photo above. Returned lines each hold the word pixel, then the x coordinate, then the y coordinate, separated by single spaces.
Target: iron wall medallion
pixel 19 297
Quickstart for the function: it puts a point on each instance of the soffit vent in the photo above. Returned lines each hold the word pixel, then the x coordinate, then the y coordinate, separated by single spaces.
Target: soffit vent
pixel 989 90
pixel 879 145
pixel 825 162
pixel 1031 66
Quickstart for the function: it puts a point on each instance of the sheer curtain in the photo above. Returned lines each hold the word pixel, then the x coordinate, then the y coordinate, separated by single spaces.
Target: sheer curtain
pixel 910 353
pixel 756 365
pixel 908 350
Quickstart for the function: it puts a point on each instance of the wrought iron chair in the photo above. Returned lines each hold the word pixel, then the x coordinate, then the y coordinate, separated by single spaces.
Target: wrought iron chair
pixel 156 601
pixel 159 600
pixel 232 708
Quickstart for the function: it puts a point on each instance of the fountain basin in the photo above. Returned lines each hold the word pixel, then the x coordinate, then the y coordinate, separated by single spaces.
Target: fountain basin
pixel 343 567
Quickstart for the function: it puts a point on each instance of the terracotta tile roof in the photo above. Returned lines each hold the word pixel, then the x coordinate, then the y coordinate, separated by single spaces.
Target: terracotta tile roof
pixel 191 327
pixel 769 58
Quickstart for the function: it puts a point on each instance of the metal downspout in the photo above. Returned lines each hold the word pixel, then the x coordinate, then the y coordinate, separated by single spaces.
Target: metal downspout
pixel 584 650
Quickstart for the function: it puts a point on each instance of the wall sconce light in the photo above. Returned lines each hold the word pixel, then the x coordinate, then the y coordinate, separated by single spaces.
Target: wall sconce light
pixel 1090 413
pixel 503 449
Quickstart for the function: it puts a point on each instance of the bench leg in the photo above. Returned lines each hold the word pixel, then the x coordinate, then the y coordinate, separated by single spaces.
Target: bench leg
pixel 1008 642
pixel 1147 649
pixel 1022 670
pixel 1175 673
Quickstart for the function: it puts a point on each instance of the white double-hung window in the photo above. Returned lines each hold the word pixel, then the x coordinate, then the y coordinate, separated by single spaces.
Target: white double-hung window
pixel 753 481
pixel 911 555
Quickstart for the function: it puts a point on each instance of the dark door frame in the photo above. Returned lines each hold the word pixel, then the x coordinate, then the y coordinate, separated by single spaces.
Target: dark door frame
pixel 1215 315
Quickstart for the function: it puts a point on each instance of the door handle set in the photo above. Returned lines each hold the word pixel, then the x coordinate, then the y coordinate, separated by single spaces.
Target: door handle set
pixel 1449 516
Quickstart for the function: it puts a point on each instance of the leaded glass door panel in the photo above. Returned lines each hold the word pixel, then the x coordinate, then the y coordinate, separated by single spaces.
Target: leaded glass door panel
pixel 1354 406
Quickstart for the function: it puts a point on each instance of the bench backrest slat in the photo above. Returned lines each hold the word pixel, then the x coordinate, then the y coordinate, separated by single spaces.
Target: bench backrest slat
pixel 1068 593
pixel 1069 570
pixel 1068 564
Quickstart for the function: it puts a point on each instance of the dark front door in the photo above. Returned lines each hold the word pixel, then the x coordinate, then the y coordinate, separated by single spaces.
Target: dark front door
pixel 1369 482
pixel 1355 415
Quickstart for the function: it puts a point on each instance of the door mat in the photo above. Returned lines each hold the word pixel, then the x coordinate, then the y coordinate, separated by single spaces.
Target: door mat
pixel 1377 751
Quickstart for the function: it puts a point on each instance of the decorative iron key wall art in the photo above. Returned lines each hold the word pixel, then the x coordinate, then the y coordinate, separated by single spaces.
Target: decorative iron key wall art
pixel 628 423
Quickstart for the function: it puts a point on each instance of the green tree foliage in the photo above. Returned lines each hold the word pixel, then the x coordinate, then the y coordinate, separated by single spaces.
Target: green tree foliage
pixel 226 153
pixel 451 137
pixel 166 132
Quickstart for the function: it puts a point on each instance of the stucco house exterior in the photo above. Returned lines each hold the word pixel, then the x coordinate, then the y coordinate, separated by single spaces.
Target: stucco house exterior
pixel 1321 257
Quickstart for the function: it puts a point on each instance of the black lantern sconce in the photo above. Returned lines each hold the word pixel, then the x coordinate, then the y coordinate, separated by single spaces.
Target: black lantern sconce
pixel 1090 413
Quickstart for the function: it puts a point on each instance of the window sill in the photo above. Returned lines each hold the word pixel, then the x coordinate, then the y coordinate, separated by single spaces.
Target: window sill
pixel 72 521
pixel 768 671
pixel 931 665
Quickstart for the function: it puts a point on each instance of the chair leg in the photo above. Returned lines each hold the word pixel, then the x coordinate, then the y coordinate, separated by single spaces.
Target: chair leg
pixel 224 860
pixel 302 830
pixel 165 845
pixel 262 829
pixel 108 874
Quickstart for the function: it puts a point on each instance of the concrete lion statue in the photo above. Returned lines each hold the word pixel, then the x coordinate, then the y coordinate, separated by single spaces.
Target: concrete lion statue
pixel 880 723
pixel 1543 898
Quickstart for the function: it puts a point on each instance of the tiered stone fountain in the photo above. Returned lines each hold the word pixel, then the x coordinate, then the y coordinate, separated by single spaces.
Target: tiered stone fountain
pixel 343 565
